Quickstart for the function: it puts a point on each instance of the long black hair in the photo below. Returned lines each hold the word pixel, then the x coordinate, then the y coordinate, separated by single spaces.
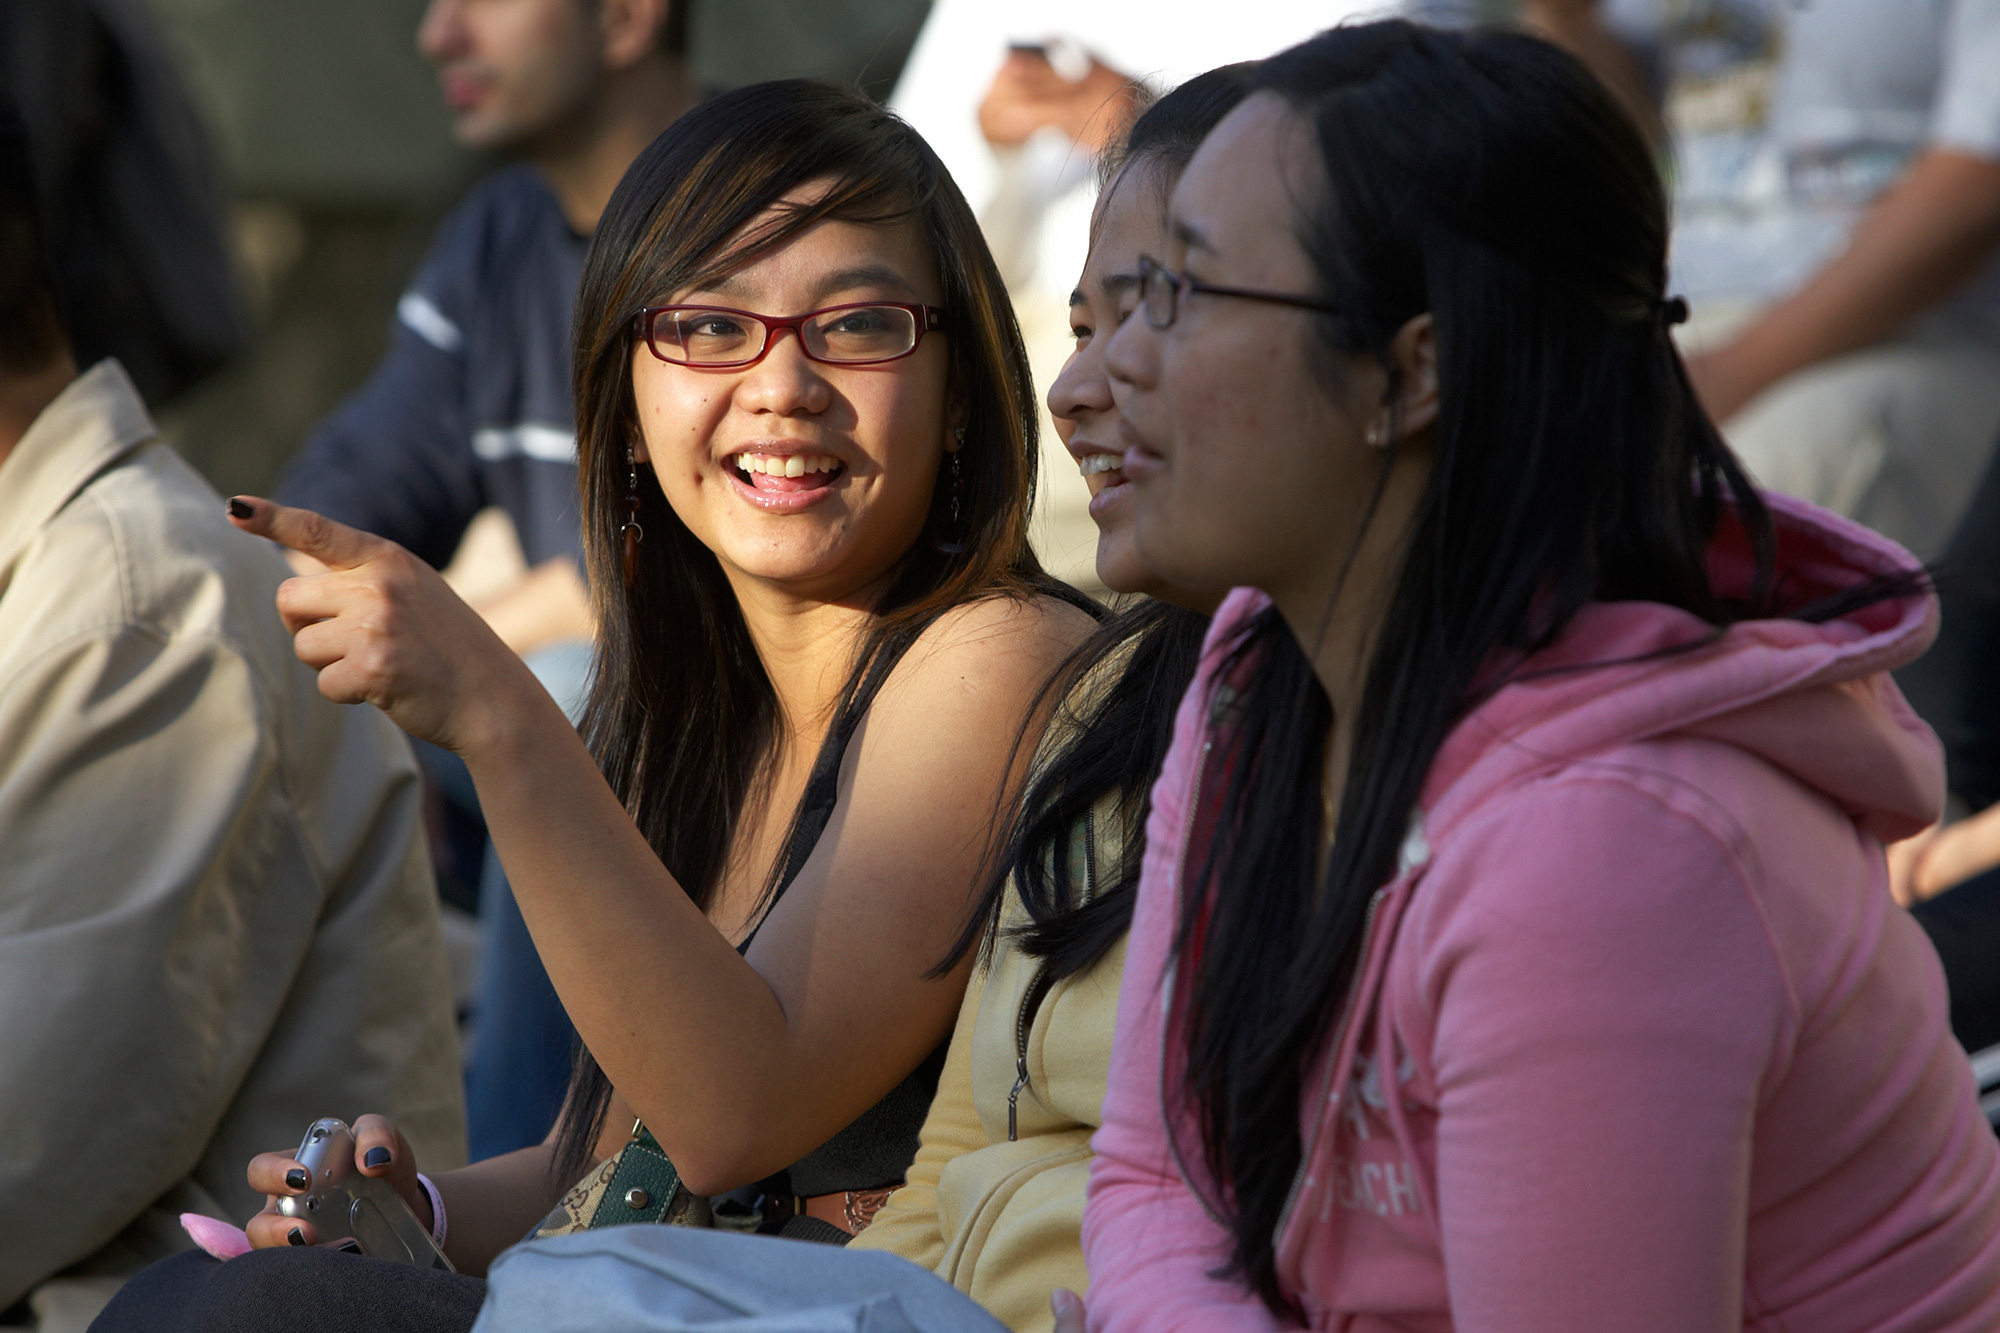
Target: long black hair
pixel 1487 179
pixel 681 715
pixel 1110 738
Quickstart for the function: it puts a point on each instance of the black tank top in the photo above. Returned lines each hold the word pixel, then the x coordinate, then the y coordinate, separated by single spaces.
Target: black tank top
pixel 876 1149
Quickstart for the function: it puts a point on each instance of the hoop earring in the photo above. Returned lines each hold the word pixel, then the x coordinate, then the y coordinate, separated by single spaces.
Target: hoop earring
pixel 631 531
pixel 952 540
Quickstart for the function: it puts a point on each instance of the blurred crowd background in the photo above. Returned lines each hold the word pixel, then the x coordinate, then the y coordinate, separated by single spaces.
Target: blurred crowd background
pixel 337 162
pixel 322 130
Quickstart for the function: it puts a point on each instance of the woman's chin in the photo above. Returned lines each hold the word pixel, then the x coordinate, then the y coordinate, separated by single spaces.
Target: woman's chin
pixel 821 562
pixel 800 570
pixel 1119 566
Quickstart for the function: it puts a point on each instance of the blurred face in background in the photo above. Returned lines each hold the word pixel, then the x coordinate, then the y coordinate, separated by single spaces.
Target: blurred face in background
pixel 1130 220
pixel 512 70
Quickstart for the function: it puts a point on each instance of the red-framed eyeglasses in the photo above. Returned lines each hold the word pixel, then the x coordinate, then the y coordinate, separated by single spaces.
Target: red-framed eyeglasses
pixel 863 333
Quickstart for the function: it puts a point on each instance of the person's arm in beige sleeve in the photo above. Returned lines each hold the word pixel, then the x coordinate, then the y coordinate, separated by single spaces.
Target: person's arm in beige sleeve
pixel 139 959
pixel 909 1224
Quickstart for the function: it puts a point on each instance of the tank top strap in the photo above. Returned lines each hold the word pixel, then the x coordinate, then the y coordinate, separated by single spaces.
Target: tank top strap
pixel 822 793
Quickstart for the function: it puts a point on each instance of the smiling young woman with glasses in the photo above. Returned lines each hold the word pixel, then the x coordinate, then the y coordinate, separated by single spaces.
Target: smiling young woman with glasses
pixel 821 632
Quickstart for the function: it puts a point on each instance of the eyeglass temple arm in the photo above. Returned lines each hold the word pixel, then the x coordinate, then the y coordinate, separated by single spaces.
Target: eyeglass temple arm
pixel 1258 294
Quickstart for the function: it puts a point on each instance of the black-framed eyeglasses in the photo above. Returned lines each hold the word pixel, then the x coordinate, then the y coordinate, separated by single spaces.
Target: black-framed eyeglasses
pixel 864 333
pixel 1161 289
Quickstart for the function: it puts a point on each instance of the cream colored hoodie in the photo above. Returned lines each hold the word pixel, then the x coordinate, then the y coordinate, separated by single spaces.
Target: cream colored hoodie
pixel 999 1215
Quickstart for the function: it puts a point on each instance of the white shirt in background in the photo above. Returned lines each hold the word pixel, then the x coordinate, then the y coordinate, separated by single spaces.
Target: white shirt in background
pixel 1791 116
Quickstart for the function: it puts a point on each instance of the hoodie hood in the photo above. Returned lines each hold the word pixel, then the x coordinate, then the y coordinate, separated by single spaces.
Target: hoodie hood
pixel 1812 699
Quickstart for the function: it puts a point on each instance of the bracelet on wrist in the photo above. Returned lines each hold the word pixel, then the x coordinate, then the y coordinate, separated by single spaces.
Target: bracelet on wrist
pixel 437 1209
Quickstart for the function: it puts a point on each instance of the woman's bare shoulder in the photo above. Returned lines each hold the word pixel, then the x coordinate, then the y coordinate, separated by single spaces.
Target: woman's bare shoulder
pixel 998 646
pixel 1036 626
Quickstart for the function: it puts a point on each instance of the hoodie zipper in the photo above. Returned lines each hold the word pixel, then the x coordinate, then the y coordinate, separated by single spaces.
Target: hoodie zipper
pixel 1038 989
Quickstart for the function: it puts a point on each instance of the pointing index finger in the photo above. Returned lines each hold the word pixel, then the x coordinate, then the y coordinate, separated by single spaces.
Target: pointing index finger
pixel 334 545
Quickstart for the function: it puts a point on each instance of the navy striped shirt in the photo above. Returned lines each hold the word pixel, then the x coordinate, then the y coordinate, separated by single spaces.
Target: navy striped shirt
pixel 470 406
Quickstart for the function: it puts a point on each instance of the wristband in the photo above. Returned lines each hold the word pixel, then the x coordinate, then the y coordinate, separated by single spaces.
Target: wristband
pixel 437 1209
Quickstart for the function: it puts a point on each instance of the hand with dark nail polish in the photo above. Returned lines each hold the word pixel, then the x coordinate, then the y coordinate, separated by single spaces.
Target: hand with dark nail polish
pixel 296 1236
pixel 240 508
pixel 376 1157
pixel 297 1179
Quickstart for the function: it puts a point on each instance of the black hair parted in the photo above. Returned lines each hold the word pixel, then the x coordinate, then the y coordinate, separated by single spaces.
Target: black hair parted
pixel 1488 180
pixel 1169 130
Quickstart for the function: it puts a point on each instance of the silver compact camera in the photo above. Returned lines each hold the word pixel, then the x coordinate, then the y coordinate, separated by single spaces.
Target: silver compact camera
pixel 344 1205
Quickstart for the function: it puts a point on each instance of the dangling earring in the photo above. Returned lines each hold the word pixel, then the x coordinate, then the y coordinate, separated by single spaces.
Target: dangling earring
pixel 631 531
pixel 952 540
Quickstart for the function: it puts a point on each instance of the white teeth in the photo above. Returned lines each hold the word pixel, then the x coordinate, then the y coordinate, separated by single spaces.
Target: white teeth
pixel 786 465
pixel 1092 464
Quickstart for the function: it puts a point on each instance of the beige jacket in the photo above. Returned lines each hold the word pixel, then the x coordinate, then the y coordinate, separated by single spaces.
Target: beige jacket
pixel 217 920
pixel 1000 1218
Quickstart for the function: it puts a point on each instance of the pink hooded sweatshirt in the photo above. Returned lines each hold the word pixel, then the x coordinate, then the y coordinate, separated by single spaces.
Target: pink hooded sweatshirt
pixel 1640 1041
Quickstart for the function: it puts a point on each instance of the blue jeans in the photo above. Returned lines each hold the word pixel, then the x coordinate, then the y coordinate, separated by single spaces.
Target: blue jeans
pixel 518 1063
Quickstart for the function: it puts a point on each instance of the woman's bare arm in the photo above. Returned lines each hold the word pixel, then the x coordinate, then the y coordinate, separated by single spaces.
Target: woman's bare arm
pixel 741 1070
pixel 737 1069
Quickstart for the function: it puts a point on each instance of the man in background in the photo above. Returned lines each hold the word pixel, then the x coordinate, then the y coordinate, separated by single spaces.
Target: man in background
pixel 217 921
pixel 1837 218
pixel 470 409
